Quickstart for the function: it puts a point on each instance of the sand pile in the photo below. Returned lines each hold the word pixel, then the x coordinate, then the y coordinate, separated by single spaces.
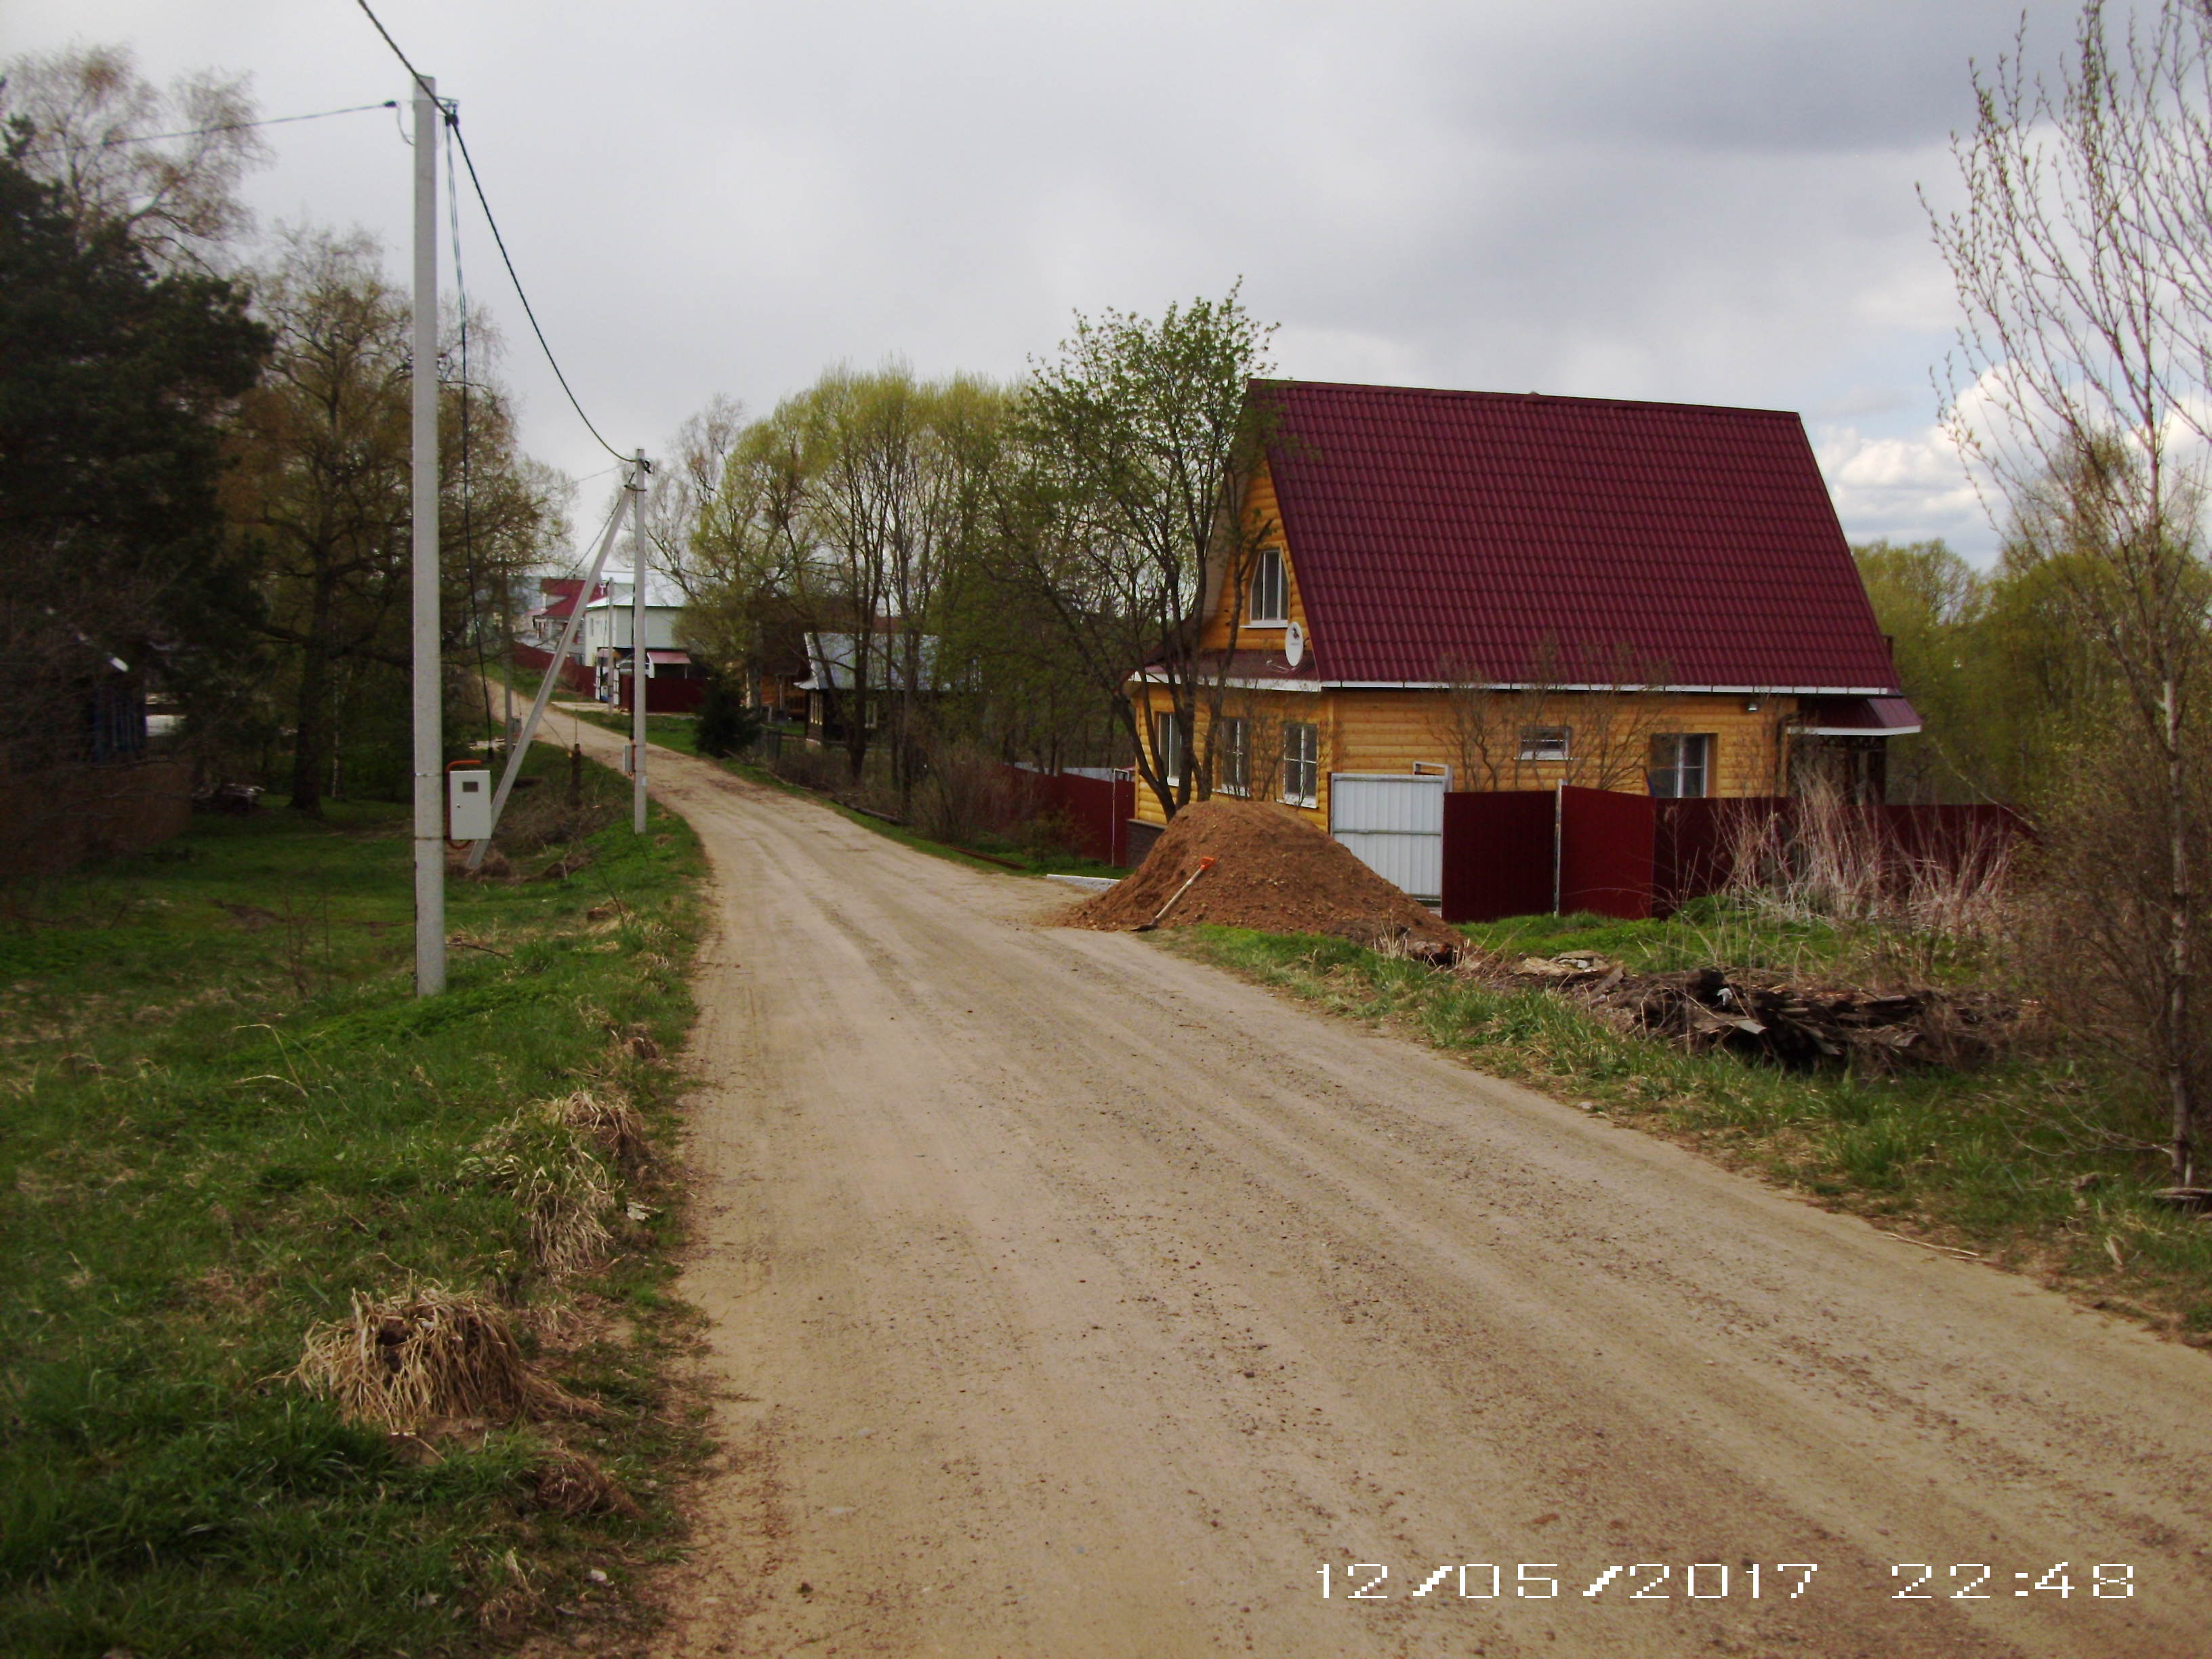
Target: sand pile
pixel 1272 872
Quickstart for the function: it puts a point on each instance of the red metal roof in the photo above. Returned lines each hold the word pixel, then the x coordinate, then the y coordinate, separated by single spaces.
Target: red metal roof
pixel 561 608
pixel 1432 530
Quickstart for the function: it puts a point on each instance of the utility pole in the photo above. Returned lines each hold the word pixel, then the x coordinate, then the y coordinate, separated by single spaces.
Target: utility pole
pixel 637 657
pixel 429 731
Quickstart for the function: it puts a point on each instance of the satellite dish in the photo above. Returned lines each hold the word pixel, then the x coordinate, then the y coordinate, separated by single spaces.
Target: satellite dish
pixel 1294 645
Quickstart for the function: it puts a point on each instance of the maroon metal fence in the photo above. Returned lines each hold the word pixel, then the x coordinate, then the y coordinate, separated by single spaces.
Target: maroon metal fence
pixel 576 675
pixel 1529 851
pixel 1097 810
pixel 1605 852
pixel 1499 853
pixel 664 696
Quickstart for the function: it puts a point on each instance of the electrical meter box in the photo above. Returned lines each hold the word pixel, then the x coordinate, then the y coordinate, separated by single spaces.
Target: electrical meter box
pixel 468 804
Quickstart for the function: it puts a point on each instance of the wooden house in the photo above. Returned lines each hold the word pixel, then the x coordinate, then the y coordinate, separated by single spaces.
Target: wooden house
pixel 1488 591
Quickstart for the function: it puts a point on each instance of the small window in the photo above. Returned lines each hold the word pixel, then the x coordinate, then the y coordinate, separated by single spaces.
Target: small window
pixel 1233 757
pixel 1546 743
pixel 1271 594
pixel 1681 765
pixel 1301 762
pixel 1168 746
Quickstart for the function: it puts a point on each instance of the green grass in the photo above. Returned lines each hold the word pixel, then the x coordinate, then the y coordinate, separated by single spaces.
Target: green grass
pixel 224 1112
pixel 2043 1163
pixel 676 732
pixel 1711 930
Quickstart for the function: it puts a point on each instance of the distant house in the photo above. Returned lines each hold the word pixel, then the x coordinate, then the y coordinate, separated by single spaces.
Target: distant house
pixel 831 689
pixel 607 647
pixel 543 627
pixel 1508 592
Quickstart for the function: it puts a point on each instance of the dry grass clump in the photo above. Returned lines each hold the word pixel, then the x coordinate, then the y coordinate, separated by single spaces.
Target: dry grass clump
pixel 539 818
pixel 567 1483
pixel 423 1353
pixel 610 1125
pixel 1831 862
pixel 559 1160
pixel 566 1193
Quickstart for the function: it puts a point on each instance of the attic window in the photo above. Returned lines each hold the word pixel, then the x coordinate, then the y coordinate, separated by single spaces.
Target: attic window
pixel 1546 742
pixel 1271 595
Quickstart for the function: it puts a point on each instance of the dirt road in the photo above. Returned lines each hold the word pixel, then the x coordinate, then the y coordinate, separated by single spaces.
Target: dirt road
pixel 1071 1299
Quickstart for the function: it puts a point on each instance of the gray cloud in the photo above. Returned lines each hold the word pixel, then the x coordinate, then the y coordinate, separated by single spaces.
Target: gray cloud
pixel 1709 200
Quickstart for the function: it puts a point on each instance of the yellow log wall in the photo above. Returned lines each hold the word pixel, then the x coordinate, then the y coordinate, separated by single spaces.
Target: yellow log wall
pixel 1260 514
pixel 1386 730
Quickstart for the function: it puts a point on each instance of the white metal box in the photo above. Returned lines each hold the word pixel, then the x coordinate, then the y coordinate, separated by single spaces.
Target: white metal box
pixel 468 804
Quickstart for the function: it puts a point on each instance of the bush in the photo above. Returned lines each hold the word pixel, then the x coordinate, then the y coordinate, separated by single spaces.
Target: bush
pixel 724 724
pixel 969 792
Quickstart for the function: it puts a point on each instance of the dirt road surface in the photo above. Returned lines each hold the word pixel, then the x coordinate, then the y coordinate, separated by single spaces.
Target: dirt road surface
pixel 1072 1299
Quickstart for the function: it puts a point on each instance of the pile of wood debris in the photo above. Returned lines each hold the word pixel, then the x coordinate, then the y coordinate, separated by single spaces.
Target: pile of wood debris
pixel 1768 1017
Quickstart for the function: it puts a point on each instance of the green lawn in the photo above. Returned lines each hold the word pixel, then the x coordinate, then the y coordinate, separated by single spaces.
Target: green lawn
pixel 2045 1163
pixel 224 1114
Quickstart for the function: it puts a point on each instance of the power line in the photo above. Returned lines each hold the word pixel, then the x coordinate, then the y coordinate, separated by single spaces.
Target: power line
pixel 500 242
pixel 226 126
pixel 453 122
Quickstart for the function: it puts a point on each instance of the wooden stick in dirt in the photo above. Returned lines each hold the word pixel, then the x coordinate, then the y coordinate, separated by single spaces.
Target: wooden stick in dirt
pixel 1204 865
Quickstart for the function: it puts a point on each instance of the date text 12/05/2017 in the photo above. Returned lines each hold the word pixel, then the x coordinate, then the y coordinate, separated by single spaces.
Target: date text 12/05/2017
pixel 1711 1580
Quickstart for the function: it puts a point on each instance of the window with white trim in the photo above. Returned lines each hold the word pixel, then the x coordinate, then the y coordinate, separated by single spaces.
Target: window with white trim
pixel 1301 762
pixel 1232 756
pixel 1169 746
pixel 1546 743
pixel 1270 590
pixel 1681 764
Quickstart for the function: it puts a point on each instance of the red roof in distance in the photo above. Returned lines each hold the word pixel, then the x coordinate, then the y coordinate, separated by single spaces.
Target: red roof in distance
pixel 1443 535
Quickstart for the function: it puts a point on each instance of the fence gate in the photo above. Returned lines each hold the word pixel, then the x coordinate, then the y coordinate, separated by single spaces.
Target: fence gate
pixel 1394 824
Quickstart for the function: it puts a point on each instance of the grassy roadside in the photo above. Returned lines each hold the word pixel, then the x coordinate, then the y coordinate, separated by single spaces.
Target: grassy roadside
pixel 224 1114
pixel 2040 1164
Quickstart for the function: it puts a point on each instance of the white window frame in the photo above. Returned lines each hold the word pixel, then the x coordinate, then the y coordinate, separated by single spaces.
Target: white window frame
pixel 1549 745
pixel 1667 778
pixel 1301 762
pixel 1271 570
pixel 1169 747
pixel 1232 751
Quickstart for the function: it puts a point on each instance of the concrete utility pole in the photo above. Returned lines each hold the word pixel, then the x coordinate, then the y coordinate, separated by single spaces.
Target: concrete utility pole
pixel 429 728
pixel 637 657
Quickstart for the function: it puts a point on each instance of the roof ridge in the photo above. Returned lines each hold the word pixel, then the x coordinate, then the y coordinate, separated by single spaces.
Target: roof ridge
pixel 1460 393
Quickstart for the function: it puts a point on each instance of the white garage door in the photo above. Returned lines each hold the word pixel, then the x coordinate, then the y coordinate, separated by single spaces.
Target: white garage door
pixel 1395 824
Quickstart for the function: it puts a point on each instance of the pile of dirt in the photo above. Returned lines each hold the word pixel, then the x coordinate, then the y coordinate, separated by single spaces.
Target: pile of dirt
pixel 1770 1018
pixel 1272 872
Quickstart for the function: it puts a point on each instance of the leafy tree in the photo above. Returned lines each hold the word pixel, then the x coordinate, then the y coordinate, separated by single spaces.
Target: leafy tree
pixel 321 496
pixel 1931 604
pixel 1134 442
pixel 850 510
pixel 115 380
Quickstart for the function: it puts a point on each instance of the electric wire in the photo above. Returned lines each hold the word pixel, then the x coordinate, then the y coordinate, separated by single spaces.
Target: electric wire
pixel 110 142
pixel 453 122
pixel 468 526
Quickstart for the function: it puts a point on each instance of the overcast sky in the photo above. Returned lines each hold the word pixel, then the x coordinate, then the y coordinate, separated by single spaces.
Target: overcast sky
pixel 1706 201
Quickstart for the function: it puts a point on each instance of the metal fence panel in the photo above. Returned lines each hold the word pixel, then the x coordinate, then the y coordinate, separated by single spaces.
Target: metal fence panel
pixel 1394 825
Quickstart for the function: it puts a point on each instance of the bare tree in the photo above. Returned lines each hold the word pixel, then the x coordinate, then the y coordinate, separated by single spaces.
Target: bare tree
pixel 164 166
pixel 2078 392
pixel 682 490
pixel 1584 716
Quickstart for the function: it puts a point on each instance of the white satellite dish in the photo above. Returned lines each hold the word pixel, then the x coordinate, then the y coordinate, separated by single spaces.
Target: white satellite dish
pixel 1294 645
